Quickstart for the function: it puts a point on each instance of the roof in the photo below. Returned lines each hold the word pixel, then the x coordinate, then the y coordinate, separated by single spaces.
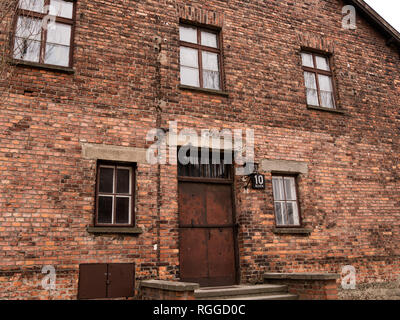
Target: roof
pixel 392 35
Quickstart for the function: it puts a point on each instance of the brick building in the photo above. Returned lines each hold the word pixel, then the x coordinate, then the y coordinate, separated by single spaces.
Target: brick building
pixel 77 189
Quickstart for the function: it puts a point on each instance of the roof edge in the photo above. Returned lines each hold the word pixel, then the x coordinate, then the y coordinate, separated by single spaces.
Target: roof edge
pixel 377 19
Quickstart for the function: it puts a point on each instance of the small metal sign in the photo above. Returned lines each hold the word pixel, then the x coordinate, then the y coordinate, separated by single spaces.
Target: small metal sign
pixel 257 181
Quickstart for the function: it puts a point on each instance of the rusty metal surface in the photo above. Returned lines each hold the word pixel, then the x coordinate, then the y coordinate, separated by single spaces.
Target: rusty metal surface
pixel 92 281
pixel 207 254
pixel 121 280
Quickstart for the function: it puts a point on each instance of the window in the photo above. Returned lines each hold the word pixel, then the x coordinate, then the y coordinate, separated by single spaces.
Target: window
pixel 285 200
pixel 41 38
pixel 115 195
pixel 318 80
pixel 200 58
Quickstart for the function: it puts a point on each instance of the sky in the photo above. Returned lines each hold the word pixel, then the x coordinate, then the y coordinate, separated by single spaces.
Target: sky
pixel 388 9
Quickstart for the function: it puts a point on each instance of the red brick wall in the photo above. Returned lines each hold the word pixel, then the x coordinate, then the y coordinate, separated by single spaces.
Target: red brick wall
pixel 350 197
pixel 310 289
pixel 160 294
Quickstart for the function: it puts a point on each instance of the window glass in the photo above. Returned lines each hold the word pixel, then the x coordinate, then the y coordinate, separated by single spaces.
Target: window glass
pixel 311 85
pixel 29 28
pixel 59 34
pixel 106 183
pixel 307 60
pixel 210 61
pixel 211 76
pixel 285 201
pixel 105 209
pixel 61 8
pixel 57 55
pixel 122 210
pixel 280 213
pixel 190 76
pixel 32 5
pixel 290 188
pixel 209 39
pixel 326 88
pixel 57 46
pixel 27 50
pixel 189 57
pixel 277 184
pixel 292 213
pixel 189 67
pixel 188 34
pixel 322 63
pixel 211 80
pixel 123 181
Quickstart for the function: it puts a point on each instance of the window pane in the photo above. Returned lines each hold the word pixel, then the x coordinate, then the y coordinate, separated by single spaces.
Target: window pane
pixel 307 60
pixel 290 188
pixel 29 28
pixel 189 57
pixel 325 83
pixel 327 100
pixel 311 85
pixel 322 63
pixel 277 185
pixel 106 183
pixel 32 5
pixel 122 210
pixel 326 87
pixel 280 213
pixel 25 49
pixel 209 39
pixel 105 210
pixel 211 80
pixel 188 34
pixel 310 81
pixel 57 55
pixel 210 61
pixel 190 76
pixel 60 34
pixel 61 8
pixel 312 97
pixel 293 213
pixel 123 181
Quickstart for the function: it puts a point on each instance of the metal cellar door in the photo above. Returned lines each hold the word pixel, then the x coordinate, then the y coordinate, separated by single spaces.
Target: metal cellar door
pixel 206 225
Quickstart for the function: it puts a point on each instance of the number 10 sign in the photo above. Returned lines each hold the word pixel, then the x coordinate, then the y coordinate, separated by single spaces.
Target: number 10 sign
pixel 258 181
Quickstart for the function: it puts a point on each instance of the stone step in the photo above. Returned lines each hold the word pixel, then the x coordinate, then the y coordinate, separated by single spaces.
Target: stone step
pixel 241 291
pixel 283 296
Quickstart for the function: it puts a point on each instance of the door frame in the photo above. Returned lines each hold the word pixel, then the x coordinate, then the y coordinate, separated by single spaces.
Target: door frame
pixel 232 183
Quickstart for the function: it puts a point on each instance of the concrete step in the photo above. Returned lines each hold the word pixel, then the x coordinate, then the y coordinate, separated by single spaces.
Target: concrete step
pixel 240 292
pixel 283 296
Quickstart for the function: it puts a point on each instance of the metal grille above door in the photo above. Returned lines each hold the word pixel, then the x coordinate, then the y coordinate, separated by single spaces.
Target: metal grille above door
pixel 212 166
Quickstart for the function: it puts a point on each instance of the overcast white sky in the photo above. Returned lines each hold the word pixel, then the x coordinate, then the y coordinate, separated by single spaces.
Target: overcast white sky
pixel 388 9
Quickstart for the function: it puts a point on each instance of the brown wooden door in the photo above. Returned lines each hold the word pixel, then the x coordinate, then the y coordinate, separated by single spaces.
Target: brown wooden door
pixel 207 250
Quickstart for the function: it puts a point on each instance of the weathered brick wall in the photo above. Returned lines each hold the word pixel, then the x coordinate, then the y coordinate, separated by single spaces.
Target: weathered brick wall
pixel 350 196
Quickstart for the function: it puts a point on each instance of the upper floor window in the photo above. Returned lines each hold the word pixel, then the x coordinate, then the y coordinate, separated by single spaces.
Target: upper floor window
pixel 43 32
pixel 285 201
pixel 115 195
pixel 200 57
pixel 318 80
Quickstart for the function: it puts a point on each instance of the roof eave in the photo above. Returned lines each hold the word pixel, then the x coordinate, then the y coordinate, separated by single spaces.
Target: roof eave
pixel 393 36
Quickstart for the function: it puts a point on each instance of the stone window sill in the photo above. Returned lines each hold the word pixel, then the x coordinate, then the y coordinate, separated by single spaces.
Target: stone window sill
pixel 210 91
pixel 48 67
pixel 340 111
pixel 299 230
pixel 115 230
